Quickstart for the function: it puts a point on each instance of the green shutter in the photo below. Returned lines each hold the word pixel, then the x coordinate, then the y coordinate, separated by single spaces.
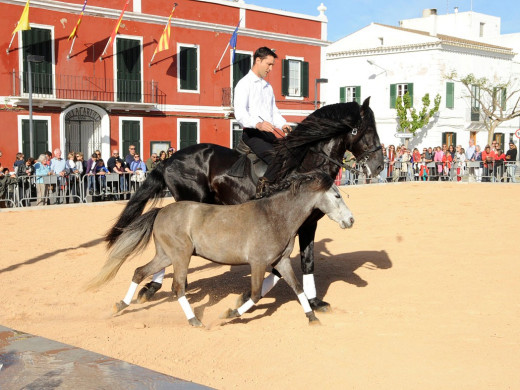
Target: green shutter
pixel 128 52
pixel 37 41
pixel 304 80
pixel 358 94
pixel 450 95
pixel 454 138
pixel 241 67
pixel 393 95
pixel 410 92
pixel 188 134
pixel 188 68
pixel 342 94
pixel 285 77
pixel 443 140
pixel 40 138
pixel 131 135
pixel 503 99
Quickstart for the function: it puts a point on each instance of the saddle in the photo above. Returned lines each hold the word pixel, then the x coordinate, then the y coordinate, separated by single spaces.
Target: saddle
pixel 247 162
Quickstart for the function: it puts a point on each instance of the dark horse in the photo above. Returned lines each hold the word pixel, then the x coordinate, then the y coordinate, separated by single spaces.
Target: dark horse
pixel 201 173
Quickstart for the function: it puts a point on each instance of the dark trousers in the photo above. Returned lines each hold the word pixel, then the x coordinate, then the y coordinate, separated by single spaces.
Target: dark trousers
pixel 260 142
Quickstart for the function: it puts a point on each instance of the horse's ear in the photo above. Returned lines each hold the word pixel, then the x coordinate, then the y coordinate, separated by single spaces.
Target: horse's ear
pixel 365 105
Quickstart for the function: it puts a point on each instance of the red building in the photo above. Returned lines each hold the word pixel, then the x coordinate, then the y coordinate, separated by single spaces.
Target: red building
pixel 83 103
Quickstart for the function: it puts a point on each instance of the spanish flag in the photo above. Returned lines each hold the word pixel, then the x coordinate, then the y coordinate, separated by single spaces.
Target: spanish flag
pixel 75 31
pixel 114 33
pixel 164 41
pixel 23 23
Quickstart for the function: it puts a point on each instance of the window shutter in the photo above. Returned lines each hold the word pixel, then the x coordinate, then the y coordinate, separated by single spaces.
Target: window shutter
pixel 304 80
pixel 450 95
pixel 188 134
pixel 358 94
pixel 342 94
pixel 454 138
pixel 38 41
pixel 40 138
pixel 128 52
pixel 443 141
pixel 503 98
pixel 130 133
pixel 285 77
pixel 393 95
pixel 410 92
pixel 188 68
pixel 240 67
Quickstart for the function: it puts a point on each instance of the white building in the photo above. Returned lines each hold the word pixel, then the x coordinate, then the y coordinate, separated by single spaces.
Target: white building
pixel 383 62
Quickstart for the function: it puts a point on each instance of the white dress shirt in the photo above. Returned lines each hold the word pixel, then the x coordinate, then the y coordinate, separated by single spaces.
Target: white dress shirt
pixel 254 102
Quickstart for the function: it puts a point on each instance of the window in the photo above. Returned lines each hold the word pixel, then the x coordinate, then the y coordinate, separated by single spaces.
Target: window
pixel 295 78
pixel 475 104
pixel 38 41
pixel 40 137
pixel 350 94
pixel 399 90
pixel 188 133
pixel 500 97
pixel 131 135
pixel 188 68
pixel 449 138
pixel 450 95
pixel 236 135
pixel 128 62
pixel 481 32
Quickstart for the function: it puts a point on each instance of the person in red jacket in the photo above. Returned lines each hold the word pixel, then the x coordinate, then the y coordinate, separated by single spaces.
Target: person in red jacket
pixel 447 159
pixel 488 158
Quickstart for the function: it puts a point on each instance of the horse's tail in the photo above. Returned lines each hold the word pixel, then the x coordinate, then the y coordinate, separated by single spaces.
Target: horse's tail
pixel 134 238
pixel 151 188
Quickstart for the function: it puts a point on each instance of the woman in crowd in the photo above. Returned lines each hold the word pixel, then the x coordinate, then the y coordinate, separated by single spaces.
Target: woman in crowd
pixel 170 152
pixel 19 160
pixel 437 158
pixel 451 151
pixel 391 160
pixel 478 157
pixel 446 165
pixel 488 158
pixel 42 169
pixel 460 159
pixel 24 171
pixel 416 161
pixel 138 167
pixel 162 155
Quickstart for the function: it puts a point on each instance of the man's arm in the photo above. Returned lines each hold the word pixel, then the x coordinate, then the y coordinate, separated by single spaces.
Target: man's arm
pixel 241 106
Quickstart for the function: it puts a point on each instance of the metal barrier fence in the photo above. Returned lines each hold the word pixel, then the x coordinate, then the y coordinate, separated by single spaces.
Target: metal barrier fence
pixel 53 189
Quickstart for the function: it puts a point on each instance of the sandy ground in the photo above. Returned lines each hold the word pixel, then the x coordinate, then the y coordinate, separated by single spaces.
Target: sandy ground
pixel 425 291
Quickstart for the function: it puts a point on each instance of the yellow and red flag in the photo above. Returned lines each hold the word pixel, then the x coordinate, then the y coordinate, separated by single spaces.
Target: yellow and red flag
pixel 164 41
pixel 114 33
pixel 23 23
pixel 75 31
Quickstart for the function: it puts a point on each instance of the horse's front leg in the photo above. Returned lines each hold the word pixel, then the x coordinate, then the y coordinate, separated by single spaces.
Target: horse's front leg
pixel 306 238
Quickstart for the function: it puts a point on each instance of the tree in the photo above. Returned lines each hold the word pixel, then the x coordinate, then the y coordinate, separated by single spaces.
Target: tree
pixel 493 102
pixel 408 119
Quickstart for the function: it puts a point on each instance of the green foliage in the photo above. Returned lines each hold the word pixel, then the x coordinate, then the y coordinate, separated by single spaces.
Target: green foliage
pixel 409 120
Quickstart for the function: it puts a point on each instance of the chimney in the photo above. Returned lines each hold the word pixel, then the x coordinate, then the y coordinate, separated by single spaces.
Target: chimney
pixel 428 12
pixel 456 10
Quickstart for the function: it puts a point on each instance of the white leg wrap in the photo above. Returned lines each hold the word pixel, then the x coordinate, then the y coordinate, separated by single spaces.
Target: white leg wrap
pixel 159 276
pixel 186 308
pixel 130 293
pixel 269 283
pixel 246 306
pixel 304 302
pixel 308 286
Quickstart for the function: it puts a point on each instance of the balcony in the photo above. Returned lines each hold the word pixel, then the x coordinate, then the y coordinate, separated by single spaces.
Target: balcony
pixel 56 90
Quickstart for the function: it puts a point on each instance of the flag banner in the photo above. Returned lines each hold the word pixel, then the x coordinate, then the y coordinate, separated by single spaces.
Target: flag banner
pixel 233 43
pixel 74 32
pixel 164 41
pixel 114 33
pixel 23 24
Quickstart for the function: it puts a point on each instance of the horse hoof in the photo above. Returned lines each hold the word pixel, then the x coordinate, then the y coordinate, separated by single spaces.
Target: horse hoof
pixel 230 313
pixel 118 306
pixel 319 305
pixel 148 291
pixel 195 322
pixel 313 320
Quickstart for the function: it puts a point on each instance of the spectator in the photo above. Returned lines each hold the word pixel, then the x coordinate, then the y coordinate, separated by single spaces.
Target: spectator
pixel 20 160
pixel 424 172
pixel 129 159
pixel 91 173
pixel 350 161
pixel 511 162
pixel 488 158
pixel 170 152
pixel 162 155
pixel 24 173
pixel 437 158
pixel 416 161
pixel 494 146
pixel 478 158
pixel 406 169
pixel 111 163
pixel 42 169
pixel 6 180
pixel 59 168
pixel 499 165
pixel 138 168
pixel 391 160
pixel 428 155
pixel 446 165
pixel 101 171
pixel 49 157
pixel 451 150
pixel 152 162
pixel 119 169
pixel 460 158
pixel 73 168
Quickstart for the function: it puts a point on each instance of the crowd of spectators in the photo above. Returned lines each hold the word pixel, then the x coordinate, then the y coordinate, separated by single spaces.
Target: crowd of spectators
pixel 28 176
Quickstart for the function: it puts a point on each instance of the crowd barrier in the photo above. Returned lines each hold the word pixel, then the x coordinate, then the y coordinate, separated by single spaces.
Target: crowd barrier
pixel 53 189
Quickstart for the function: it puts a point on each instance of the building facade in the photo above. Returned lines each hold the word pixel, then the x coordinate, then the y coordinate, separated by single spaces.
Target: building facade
pixel 82 102
pixel 385 62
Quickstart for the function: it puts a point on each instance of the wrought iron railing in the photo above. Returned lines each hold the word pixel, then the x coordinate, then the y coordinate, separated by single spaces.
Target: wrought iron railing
pixel 87 88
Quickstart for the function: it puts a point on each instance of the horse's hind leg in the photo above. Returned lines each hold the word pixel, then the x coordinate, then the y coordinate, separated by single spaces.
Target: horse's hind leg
pixel 150 288
pixel 257 277
pixel 285 269
pixel 159 261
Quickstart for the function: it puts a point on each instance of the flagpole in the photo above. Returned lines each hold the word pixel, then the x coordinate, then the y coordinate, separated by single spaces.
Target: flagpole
pixel 223 54
pixel 71 47
pixel 10 43
pixel 167 24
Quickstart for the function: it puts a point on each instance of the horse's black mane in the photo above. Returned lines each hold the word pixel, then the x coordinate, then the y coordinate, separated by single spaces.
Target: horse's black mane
pixel 323 124
pixel 321 181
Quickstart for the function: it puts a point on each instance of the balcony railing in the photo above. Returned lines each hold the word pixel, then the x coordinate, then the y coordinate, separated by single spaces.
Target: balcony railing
pixel 87 88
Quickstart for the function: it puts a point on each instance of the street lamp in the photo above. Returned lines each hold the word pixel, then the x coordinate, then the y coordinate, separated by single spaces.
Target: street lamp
pixel 318 81
pixel 30 59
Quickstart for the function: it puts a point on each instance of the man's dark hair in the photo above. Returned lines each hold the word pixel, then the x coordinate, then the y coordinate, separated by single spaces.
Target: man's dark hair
pixel 263 52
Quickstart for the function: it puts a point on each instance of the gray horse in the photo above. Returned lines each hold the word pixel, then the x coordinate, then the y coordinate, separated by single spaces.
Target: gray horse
pixel 266 228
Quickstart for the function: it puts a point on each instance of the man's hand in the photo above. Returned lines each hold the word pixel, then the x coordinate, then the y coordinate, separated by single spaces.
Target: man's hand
pixel 265 126
pixel 286 128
